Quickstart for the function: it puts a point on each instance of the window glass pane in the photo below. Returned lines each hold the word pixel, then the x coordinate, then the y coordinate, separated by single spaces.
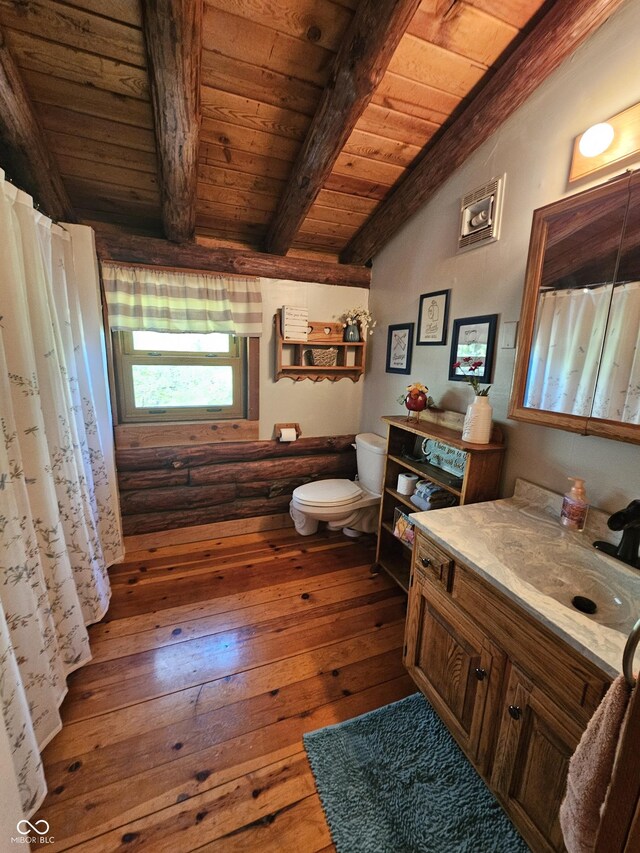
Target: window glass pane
pixel 188 342
pixel 173 385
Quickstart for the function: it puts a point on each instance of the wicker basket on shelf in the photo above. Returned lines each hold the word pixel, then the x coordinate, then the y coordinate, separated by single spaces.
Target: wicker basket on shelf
pixel 321 357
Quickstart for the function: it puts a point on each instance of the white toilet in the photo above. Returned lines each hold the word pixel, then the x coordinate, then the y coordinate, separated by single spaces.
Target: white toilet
pixel 347 504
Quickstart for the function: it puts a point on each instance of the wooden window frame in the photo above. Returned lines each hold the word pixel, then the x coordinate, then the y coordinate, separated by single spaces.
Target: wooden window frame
pixel 239 358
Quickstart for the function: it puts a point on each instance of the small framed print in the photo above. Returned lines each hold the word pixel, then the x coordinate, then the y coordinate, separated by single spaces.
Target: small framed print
pixel 399 344
pixel 432 319
pixel 472 343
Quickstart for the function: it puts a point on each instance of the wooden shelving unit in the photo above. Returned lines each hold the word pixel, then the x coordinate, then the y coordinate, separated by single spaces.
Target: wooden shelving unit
pixel 290 355
pixel 405 436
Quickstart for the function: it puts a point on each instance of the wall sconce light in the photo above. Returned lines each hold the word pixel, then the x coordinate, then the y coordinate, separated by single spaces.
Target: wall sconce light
pixel 613 142
pixel 596 139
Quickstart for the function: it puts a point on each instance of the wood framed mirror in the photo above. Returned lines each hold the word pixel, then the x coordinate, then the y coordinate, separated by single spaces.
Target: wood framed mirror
pixel 578 360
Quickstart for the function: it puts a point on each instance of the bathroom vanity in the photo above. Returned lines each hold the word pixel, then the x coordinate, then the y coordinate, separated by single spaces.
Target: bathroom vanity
pixel 494 643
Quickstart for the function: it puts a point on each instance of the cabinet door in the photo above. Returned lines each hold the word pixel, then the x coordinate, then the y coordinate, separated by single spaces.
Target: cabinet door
pixel 455 665
pixel 535 743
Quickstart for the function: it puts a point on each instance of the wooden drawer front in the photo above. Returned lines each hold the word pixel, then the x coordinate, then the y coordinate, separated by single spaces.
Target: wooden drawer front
pixel 553 665
pixel 430 562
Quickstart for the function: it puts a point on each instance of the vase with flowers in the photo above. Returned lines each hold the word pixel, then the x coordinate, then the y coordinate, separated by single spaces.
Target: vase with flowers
pixel 357 322
pixel 479 417
pixel 416 399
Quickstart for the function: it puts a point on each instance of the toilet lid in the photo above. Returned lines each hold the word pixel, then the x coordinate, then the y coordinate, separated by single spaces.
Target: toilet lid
pixel 328 493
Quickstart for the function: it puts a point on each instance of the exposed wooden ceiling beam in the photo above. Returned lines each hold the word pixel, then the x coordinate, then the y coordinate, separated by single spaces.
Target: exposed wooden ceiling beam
pixel 365 52
pixel 29 160
pixel 131 249
pixel 173 35
pixel 559 33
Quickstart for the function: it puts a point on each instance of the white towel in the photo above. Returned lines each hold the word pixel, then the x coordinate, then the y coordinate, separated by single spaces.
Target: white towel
pixel 590 770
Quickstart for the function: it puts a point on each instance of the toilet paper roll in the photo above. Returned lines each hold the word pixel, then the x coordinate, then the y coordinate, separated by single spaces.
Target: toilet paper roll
pixel 407 483
pixel 288 434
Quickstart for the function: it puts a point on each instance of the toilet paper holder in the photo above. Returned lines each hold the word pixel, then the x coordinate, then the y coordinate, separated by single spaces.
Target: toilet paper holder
pixel 279 427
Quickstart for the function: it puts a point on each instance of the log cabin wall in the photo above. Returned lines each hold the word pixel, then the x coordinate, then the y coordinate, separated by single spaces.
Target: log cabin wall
pixel 189 474
pixel 181 486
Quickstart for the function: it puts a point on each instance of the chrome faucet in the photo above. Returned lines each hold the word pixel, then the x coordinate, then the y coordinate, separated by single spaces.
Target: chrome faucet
pixel 627 520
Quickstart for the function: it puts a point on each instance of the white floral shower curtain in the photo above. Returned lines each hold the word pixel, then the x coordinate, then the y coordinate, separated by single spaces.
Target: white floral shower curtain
pixel 578 368
pixel 617 395
pixel 59 520
pixel 566 349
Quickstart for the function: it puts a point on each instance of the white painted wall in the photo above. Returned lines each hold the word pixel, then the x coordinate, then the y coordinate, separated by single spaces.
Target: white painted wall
pixel 321 408
pixel 534 148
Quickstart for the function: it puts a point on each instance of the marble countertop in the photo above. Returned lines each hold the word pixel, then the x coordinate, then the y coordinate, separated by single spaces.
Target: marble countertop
pixel 520 547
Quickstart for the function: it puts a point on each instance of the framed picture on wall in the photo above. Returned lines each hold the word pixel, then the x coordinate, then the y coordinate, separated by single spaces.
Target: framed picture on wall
pixel 399 344
pixel 472 345
pixel 432 319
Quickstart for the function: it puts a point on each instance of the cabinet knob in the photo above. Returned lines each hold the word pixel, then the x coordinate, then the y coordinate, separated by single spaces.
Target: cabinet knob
pixel 515 712
pixel 426 562
pixel 481 673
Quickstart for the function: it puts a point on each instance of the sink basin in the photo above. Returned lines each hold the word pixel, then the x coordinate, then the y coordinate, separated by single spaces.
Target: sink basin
pixel 518 545
pixel 577 569
pixel 614 603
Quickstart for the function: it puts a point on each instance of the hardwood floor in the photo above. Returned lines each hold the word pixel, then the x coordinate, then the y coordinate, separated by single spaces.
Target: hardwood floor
pixel 185 731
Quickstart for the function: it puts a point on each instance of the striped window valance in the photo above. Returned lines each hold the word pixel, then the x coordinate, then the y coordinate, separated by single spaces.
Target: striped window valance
pixel 147 299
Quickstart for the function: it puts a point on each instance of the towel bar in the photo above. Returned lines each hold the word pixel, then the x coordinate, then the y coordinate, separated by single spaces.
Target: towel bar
pixel 629 653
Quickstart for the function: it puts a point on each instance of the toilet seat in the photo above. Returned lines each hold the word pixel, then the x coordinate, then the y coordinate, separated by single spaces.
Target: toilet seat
pixel 328 493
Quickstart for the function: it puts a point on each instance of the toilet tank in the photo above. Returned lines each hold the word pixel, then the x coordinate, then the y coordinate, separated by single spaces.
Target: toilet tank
pixel 370 455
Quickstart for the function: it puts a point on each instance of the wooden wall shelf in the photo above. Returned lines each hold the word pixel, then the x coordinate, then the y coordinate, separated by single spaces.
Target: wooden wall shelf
pixel 290 354
pixel 479 482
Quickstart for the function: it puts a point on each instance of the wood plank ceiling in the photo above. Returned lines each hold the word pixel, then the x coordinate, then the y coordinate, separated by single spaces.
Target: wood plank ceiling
pixel 264 66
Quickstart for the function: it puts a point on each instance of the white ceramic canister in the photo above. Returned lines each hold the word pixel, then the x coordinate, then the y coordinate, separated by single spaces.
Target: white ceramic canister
pixel 477 421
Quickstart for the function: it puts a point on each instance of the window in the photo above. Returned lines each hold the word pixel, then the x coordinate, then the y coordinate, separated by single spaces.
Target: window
pixel 173 377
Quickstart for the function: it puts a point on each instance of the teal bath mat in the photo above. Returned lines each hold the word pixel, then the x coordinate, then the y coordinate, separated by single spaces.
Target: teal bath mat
pixel 395 781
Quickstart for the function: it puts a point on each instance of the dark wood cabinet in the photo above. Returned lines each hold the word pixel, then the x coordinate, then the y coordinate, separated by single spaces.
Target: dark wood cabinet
pixel 515 697
pixel 535 742
pixel 453 662
pixel 584 246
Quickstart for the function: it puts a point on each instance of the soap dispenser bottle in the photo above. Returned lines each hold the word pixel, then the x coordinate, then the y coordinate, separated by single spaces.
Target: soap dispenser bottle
pixel 574 506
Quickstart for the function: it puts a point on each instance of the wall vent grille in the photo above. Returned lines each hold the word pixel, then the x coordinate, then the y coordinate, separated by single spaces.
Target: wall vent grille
pixel 480 215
